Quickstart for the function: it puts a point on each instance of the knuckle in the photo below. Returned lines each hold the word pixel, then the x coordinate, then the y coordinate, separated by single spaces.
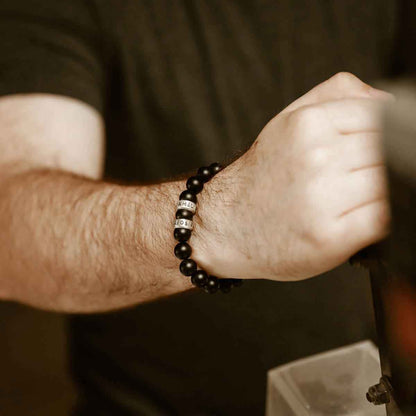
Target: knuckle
pixel 345 79
pixel 319 224
pixel 317 158
pixel 316 227
pixel 306 117
pixel 321 234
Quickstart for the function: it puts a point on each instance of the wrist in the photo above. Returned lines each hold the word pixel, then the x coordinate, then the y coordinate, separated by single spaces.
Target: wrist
pixel 216 225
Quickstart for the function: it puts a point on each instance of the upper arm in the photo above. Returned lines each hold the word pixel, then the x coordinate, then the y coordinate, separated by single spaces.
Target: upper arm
pixel 53 73
pixel 45 130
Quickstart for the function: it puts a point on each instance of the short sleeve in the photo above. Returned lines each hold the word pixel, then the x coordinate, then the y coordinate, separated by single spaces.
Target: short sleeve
pixel 52 46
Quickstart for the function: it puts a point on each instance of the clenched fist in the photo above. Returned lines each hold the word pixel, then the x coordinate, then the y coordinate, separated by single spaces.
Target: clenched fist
pixel 308 194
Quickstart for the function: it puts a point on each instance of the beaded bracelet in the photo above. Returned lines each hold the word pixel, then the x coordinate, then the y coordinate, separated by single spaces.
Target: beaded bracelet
pixel 183 230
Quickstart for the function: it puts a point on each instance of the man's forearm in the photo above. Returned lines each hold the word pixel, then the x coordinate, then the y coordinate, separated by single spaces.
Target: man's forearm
pixel 68 243
pixel 308 194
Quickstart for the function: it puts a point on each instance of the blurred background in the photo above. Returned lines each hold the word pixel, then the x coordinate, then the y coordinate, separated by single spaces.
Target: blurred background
pixel 33 369
pixel 34 378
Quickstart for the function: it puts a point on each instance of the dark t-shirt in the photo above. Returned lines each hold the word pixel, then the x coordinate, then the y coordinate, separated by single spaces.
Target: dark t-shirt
pixel 180 84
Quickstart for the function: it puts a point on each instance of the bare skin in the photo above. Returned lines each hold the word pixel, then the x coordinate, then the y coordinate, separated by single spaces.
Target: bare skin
pixel 309 193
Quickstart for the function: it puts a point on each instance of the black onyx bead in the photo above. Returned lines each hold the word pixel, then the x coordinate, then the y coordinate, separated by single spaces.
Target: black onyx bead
pixel 225 285
pixel 199 278
pixel 211 286
pixel 188 195
pixel 182 234
pixel 187 267
pixel 184 213
pixel 183 251
pixel 205 174
pixel 194 184
pixel 215 168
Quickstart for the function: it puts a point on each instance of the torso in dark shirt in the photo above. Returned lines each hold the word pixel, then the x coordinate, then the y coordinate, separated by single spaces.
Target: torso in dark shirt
pixel 197 80
pixel 182 84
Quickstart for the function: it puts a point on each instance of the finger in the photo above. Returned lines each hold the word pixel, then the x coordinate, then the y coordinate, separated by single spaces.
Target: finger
pixel 353 115
pixel 365 225
pixel 362 187
pixel 361 150
pixel 341 85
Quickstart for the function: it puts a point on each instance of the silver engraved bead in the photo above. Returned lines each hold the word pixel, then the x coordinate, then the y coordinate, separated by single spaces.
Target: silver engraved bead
pixel 183 223
pixel 188 205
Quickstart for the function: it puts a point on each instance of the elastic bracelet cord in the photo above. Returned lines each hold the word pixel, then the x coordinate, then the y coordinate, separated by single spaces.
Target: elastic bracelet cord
pixel 183 230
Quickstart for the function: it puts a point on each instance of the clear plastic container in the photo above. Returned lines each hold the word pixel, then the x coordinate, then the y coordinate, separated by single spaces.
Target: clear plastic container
pixel 333 383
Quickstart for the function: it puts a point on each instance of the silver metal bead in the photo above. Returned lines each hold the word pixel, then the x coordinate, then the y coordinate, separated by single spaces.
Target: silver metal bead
pixel 188 205
pixel 183 223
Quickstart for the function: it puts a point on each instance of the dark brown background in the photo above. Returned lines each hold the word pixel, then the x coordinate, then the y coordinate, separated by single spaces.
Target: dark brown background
pixel 33 377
